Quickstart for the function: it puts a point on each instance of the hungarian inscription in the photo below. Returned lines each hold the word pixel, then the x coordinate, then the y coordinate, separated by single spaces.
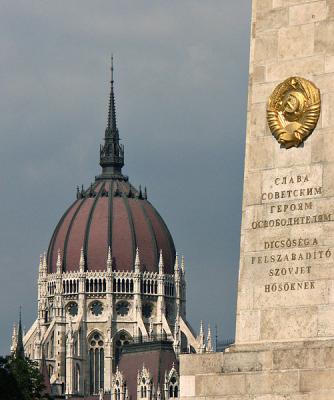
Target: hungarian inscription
pixel 289 201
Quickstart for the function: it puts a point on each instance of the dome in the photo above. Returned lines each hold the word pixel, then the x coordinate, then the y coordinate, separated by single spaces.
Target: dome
pixel 111 213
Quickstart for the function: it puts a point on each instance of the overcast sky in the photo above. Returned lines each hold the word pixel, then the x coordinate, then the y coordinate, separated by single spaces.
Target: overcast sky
pixel 181 74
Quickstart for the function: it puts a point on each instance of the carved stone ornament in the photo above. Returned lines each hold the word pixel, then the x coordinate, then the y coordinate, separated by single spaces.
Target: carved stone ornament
pixel 293 111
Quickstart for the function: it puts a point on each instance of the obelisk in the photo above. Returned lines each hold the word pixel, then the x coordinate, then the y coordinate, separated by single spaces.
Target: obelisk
pixel 284 346
pixel 286 273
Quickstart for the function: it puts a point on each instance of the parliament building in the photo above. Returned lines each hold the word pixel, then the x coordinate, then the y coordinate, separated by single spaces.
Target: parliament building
pixel 111 320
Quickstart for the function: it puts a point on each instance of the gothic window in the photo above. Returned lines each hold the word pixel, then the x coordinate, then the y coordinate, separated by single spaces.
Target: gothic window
pixel 96 363
pixel 172 384
pixel 52 344
pixel 72 309
pixel 119 386
pixel 144 384
pixel 122 308
pixel 77 378
pixel 173 388
pixel 147 310
pixel 121 339
pixel 96 308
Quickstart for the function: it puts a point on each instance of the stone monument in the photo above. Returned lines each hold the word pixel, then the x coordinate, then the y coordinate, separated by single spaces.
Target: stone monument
pixel 284 346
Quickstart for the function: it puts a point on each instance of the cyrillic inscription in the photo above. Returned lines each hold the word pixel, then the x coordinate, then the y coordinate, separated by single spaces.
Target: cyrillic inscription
pixel 300 251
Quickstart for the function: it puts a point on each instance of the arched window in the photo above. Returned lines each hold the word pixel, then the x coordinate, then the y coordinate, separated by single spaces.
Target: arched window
pixel 173 388
pixel 144 384
pixel 172 384
pixel 121 339
pixel 119 386
pixel 96 363
pixel 52 345
pixel 77 378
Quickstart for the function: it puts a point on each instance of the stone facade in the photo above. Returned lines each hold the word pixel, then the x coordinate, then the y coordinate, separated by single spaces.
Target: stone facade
pixel 285 309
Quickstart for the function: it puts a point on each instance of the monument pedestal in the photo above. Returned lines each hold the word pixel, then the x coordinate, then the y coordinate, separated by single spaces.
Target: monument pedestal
pixel 284 371
pixel 284 347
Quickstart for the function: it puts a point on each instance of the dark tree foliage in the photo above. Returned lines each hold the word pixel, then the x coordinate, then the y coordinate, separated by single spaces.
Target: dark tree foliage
pixel 20 379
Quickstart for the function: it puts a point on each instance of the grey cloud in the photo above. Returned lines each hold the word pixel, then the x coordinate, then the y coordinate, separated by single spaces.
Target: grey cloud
pixel 181 89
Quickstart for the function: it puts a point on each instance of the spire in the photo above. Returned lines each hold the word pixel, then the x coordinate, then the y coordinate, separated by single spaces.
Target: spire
pixel 82 260
pixel 176 265
pixel 137 261
pixel 45 265
pixel 201 339
pixel 183 269
pixel 109 260
pixel 209 347
pixel 58 263
pixel 19 351
pixel 40 267
pixel 112 152
pixel 161 263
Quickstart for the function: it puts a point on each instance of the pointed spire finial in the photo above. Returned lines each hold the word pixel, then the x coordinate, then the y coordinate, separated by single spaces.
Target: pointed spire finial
pixel 82 260
pixel 176 265
pixel 109 260
pixel 45 264
pixel 201 339
pixel 161 263
pixel 19 351
pixel 112 152
pixel 183 268
pixel 40 266
pixel 137 261
pixel 209 347
pixel 58 263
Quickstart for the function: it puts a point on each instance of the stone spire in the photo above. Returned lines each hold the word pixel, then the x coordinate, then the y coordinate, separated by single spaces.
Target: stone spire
pixel 45 265
pixel 58 263
pixel 137 261
pixel 40 267
pixel 201 339
pixel 161 263
pixel 109 260
pixel 82 260
pixel 176 265
pixel 19 351
pixel 112 152
pixel 209 347
pixel 183 268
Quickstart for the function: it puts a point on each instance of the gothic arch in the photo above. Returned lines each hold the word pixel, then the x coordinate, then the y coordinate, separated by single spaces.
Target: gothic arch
pixel 120 339
pixel 96 361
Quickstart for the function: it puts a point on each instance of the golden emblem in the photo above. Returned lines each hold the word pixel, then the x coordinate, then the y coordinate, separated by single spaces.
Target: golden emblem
pixel 293 111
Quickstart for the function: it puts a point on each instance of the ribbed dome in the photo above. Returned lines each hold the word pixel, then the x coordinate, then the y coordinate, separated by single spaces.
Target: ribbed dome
pixel 111 213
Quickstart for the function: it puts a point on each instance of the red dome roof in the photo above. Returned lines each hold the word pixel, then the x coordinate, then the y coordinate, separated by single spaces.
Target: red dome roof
pixel 111 213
